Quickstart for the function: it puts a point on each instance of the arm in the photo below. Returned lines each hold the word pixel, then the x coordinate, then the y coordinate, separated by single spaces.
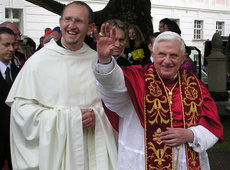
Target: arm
pixel 110 78
pixel 198 137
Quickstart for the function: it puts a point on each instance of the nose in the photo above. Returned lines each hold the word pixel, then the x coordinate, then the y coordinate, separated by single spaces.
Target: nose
pixel 11 47
pixel 167 59
pixel 117 43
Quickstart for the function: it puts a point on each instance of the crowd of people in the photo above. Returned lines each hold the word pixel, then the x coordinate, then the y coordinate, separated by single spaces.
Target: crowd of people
pixel 85 99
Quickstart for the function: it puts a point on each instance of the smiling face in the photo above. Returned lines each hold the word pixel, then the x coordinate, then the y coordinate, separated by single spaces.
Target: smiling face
pixel 168 58
pixel 74 25
pixel 132 34
pixel 7 48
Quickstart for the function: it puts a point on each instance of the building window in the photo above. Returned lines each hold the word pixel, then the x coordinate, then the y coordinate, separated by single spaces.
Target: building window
pixel 220 28
pixel 14 16
pixel 198 29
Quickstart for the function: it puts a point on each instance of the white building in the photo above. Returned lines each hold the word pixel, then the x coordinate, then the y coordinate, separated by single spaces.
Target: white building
pixel 198 19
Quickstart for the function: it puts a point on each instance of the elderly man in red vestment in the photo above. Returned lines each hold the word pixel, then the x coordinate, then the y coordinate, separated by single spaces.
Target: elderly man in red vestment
pixel 165 116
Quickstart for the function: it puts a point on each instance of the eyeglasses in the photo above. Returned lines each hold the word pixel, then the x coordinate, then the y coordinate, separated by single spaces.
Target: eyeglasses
pixel 69 20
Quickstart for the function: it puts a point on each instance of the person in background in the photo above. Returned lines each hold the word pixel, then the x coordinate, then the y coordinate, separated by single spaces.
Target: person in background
pixel 57 118
pixel 118 52
pixel 90 39
pixel 46 29
pixel 188 63
pixel 57 29
pixel 8 72
pixel 161 24
pixel 51 34
pixel 40 43
pixel 19 58
pixel 151 40
pixel 29 47
pixel 167 118
pixel 135 47
pixel 171 26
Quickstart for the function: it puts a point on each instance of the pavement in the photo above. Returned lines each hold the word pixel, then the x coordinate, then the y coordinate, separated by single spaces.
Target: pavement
pixel 219 160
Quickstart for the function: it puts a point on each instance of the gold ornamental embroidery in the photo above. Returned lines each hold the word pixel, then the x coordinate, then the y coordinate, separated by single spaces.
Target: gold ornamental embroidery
pixel 159 156
pixel 192 113
pixel 157 111
pixel 193 159
pixel 191 99
pixel 154 89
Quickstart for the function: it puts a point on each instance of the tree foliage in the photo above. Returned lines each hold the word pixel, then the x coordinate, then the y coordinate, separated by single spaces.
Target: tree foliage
pixel 129 11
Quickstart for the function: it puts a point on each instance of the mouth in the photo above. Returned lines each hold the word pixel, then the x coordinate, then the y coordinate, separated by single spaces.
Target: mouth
pixel 117 50
pixel 10 55
pixel 72 33
pixel 167 68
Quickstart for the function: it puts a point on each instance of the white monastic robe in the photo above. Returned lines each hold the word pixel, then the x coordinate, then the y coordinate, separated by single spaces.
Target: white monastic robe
pixel 46 120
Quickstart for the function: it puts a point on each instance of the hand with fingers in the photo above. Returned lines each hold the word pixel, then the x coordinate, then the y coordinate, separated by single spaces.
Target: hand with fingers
pixel 105 43
pixel 88 118
pixel 176 136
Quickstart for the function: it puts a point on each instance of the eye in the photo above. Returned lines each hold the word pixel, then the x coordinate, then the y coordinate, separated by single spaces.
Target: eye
pixel 161 54
pixel 67 19
pixel 78 21
pixel 121 40
pixel 174 56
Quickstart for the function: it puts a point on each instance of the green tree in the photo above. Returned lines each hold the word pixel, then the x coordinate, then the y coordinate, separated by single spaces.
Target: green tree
pixel 130 11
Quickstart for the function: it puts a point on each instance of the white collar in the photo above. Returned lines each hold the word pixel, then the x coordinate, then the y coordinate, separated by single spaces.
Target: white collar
pixel 3 67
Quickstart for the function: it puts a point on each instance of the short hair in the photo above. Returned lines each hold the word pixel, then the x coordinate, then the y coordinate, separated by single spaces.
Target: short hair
pixel 4 24
pixel 91 14
pixel 47 29
pixel 5 30
pixel 117 24
pixel 169 36
pixel 164 20
pixel 30 42
pixel 152 35
pixel 172 26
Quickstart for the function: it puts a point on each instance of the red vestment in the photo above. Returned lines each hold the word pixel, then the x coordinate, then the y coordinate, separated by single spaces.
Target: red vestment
pixel 135 83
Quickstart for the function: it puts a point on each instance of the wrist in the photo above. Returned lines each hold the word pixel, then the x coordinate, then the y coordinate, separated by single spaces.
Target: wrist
pixel 190 136
pixel 105 61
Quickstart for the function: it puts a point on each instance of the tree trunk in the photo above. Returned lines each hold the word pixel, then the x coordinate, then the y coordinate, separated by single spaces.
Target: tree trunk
pixel 129 11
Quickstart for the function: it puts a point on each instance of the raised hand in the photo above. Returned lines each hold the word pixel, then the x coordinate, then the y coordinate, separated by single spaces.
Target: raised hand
pixel 105 43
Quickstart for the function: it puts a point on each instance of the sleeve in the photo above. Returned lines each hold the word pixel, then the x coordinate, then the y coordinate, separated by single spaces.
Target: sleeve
pixel 209 116
pixel 203 139
pixel 40 134
pixel 112 88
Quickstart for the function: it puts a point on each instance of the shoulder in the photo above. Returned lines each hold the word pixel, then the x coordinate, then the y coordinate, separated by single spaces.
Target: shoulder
pixel 133 71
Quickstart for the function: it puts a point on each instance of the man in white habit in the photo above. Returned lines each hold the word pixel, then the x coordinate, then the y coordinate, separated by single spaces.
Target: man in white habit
pixel 57 120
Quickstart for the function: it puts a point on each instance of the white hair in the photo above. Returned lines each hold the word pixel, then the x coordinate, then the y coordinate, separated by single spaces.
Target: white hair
pixel 169 36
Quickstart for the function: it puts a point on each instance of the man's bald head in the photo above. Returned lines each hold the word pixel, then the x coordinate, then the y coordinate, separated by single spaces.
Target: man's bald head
pixel 16 31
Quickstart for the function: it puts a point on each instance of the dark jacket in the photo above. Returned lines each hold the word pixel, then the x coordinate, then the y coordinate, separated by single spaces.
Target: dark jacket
pixel 5 117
